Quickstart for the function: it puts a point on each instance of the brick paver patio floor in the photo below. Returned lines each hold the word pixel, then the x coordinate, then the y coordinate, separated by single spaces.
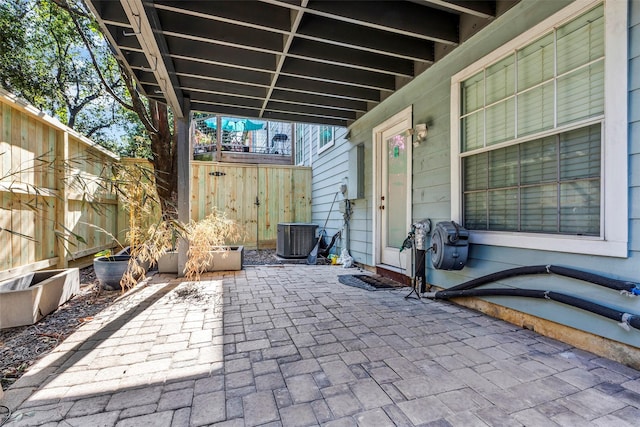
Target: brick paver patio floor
pixel 289 345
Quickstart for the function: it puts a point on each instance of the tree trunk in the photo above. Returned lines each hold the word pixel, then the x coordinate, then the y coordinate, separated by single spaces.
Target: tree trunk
pixel 163 147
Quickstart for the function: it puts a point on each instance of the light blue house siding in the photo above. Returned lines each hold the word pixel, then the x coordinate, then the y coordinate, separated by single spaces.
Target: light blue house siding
pixel 430 96
pixel 634 130
pixel 329 172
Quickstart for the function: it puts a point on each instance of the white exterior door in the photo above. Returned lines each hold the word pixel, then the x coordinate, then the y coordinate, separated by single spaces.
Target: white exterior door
pixel 393 189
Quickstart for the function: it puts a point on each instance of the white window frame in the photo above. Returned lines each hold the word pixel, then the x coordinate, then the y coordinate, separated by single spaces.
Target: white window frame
pixel 300 148
pixel 329 144
pixel 613 239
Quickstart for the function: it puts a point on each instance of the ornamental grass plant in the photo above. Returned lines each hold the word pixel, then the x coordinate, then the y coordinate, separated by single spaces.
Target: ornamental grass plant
pixel 207 236
pixel 149 236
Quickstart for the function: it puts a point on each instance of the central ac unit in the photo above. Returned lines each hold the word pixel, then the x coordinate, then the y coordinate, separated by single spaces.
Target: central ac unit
pixel 295 240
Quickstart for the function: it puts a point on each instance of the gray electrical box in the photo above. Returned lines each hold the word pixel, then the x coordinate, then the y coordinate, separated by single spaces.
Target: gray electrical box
pixel 355 183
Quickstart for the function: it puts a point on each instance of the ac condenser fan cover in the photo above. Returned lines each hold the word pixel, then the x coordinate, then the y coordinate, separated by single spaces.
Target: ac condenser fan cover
pixel 449 246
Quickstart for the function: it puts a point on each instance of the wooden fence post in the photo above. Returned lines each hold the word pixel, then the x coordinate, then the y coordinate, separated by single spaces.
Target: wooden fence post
pixel 62 204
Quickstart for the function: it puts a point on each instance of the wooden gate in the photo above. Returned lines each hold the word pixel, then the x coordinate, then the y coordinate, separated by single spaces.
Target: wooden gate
pixel 257 197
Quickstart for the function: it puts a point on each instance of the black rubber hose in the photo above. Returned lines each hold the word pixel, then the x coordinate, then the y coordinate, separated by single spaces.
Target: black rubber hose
pixel 504 274
pixel 450 293
pixel 601 310
pixel 618 285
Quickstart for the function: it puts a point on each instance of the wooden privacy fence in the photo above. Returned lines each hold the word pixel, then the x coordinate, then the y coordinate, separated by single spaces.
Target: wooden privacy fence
pixel 50 191
pixel 257 197
pixel 56 208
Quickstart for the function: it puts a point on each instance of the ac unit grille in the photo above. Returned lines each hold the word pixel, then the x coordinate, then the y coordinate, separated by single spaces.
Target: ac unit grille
pixel 295 240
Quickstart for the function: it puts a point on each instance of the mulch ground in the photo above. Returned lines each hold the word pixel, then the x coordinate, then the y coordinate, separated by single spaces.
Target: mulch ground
pixel 21 347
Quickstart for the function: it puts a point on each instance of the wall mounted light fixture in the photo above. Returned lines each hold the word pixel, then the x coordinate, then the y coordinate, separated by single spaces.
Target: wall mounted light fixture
pixel 419 133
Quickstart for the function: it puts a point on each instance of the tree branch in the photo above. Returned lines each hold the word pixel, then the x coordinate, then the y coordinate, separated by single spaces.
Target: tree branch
pixel 89 133
pixel 94 61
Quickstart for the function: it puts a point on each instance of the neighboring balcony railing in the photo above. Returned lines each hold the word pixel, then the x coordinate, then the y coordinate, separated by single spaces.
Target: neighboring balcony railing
pixel 241 140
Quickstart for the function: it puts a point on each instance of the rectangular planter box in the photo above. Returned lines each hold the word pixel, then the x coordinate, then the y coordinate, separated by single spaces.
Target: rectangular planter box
pixel 168 263
pixel 227 260
pixel 28 298
pixel 222 261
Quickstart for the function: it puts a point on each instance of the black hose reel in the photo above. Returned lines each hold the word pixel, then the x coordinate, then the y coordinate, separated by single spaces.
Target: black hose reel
pixel 449 246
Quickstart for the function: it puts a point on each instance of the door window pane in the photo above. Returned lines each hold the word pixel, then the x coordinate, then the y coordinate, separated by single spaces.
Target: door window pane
pixel 396 190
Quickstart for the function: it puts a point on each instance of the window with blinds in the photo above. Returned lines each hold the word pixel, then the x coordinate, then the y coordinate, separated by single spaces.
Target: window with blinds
pixel 531 133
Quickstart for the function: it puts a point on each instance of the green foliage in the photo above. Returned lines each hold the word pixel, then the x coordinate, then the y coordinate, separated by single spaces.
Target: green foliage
pixel 54 55
pixel 44 60
pixel 136 142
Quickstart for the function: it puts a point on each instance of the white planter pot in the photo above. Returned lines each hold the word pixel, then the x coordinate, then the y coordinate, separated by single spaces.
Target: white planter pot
pixel 28 298
pixel 227 260
pixel 168 263
pixel 223 260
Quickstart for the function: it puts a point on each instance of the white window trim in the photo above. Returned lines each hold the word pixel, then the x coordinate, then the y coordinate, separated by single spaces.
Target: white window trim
pixel 328 144
pixel 613 240
pixel 300 133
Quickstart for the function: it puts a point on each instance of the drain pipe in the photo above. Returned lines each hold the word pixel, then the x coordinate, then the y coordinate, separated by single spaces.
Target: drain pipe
pixel 347 218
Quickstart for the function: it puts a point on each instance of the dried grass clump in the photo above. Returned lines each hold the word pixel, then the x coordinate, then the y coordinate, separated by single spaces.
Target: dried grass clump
pixel 160 239
pixel 210 234
pixel 135 186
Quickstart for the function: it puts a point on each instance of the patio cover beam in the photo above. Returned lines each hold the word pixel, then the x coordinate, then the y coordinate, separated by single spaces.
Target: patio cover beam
pixel 405 18
pixel 325 62
pixel 144 22
pixel 479 8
